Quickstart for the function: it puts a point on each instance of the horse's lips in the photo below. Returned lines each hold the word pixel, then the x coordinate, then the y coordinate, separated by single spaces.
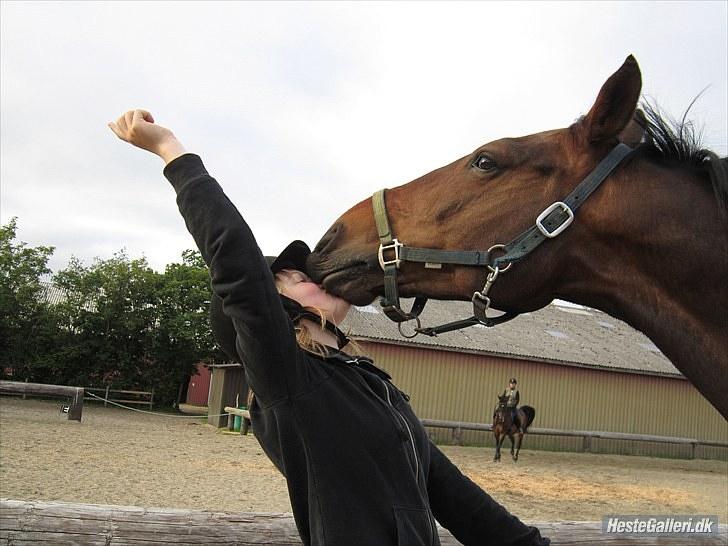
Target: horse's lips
pixel 346 284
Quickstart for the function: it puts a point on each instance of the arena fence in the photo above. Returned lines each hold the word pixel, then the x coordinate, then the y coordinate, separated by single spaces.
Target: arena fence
pixel 62 524
pixel 586 435
pixel 139 398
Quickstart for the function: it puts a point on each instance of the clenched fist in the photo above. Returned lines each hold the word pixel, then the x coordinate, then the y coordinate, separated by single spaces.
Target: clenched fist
pixel 137 127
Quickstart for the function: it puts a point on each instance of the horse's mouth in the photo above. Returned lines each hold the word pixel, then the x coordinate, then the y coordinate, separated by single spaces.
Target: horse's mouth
pixel 350 281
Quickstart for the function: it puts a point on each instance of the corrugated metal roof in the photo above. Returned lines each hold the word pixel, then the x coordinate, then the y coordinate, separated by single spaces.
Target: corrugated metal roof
pixel 559 333
pixel 53 295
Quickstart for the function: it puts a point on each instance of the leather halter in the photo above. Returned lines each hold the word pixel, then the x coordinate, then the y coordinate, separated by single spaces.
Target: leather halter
pixel 549 224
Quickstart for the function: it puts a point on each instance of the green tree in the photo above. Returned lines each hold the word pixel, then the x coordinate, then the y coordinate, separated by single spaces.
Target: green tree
pixel 27 324
pixel 116 322
pixel 130 327
pixel 182 337
pixel 111 311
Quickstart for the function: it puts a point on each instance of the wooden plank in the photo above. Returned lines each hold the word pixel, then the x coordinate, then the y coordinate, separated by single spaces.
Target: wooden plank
pixel 138 402
pixel 607 435
pixel 75 409
pixel 143 393
pixel 144 398
pixel 37 388
pixel 61 524
pixel 237 411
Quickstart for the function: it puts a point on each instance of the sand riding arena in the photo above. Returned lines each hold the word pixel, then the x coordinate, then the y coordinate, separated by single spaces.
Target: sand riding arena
pixel 119 457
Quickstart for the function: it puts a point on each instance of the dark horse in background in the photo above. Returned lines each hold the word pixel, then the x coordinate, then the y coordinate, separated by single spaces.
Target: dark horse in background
pixel 649 246
pixel 503 425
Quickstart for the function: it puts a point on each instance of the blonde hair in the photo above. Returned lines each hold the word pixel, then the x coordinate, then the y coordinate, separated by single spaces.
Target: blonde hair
pixel 304 338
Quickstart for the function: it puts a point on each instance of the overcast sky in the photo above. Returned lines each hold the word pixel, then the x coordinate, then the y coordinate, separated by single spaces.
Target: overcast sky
pixel 301 110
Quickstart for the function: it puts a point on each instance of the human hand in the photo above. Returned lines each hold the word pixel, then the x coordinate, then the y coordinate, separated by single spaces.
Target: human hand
pixel 137 127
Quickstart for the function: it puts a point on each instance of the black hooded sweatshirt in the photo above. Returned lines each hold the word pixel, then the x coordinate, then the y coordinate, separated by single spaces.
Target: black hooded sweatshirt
pixel 359 466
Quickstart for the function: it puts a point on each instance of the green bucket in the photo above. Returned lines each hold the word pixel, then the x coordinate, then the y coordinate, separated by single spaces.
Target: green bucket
pixel 237 423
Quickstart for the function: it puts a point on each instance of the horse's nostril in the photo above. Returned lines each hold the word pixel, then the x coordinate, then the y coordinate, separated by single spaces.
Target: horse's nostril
pixel 329 238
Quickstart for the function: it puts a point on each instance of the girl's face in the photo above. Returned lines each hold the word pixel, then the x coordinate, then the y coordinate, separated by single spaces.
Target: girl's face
pixel 299 287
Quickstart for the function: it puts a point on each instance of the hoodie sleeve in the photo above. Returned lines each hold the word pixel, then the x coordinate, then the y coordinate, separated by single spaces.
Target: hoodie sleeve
pixel 240 277
pixel 469 513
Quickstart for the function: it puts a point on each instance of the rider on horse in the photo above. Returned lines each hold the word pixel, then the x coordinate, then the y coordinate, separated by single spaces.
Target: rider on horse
pixel 513 398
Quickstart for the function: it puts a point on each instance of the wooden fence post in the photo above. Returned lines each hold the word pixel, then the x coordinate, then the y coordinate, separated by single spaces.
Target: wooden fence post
pixel 76 408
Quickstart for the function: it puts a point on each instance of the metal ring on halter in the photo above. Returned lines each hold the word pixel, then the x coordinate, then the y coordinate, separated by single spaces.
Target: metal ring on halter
pixel 503 247
pixel 419 327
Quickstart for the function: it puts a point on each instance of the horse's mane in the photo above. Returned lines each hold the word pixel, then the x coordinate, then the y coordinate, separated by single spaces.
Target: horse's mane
pixel 678 140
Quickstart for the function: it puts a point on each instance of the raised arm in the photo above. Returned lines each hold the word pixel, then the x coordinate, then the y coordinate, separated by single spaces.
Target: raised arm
pixel 239 272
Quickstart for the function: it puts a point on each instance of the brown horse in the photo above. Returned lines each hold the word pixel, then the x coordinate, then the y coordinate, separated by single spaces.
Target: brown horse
pixel 649 246
pixel 503 426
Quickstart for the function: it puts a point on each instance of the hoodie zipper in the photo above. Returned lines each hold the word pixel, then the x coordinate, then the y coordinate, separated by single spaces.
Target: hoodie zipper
pixel 394 410
pixel 409 431
pixel 433 529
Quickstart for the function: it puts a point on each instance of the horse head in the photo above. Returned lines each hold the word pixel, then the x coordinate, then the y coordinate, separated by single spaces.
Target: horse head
pixel 482 199
pixel 501 413
pixel 648 247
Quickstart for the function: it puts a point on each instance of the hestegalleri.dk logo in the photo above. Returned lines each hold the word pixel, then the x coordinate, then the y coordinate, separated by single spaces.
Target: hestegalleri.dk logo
pixel 659 525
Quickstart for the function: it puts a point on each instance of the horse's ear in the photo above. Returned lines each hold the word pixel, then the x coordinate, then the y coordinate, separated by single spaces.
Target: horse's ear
pixel 615 104
pixel 634 133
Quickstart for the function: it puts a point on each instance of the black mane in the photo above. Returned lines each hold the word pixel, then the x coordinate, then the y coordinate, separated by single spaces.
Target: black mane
pixel 678 140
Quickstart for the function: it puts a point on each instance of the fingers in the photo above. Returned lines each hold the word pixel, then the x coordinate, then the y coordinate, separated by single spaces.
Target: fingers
pixel 115 129
pixel 141 116
pixel 129 118
pixel 147 116
pixel 124 126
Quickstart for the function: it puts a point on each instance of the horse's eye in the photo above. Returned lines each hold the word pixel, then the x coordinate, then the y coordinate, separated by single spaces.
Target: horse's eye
pixel 485 163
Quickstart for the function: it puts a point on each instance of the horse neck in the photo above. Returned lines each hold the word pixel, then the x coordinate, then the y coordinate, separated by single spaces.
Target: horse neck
pixel 661 265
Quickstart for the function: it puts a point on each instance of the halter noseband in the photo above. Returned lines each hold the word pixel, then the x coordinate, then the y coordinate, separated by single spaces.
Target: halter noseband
pixel 549 224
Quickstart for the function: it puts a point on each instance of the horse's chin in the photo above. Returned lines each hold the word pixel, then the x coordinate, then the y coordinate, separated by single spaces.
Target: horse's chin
pixel 350 287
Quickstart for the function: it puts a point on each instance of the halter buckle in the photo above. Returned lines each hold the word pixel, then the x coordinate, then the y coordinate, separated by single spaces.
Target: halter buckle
pixel 548 210
pixel 395 245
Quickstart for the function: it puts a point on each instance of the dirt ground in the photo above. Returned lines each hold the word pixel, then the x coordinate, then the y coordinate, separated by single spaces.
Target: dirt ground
pixel 119 457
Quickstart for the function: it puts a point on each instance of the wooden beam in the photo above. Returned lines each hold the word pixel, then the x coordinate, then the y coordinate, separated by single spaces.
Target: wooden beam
pixel 74 393
pixel 62 524
pixel 237 411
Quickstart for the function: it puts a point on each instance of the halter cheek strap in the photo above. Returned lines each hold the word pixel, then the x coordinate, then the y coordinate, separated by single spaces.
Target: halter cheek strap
pixel 389 261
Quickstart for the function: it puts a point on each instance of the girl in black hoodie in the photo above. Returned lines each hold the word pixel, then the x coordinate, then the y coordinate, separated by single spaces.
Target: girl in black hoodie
pixel 359 466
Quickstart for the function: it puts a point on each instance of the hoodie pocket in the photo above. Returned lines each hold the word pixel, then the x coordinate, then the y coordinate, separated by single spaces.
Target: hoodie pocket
pixel 413 527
